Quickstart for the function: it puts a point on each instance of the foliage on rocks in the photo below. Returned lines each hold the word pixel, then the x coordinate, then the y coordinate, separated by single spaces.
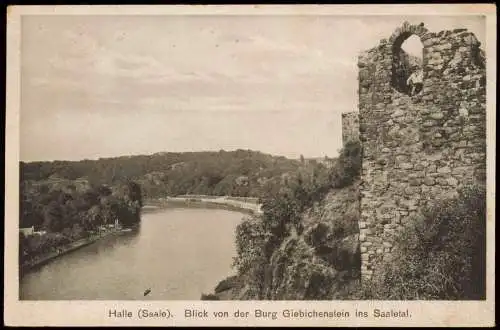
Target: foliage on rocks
pixel 300 248
pixel 440 255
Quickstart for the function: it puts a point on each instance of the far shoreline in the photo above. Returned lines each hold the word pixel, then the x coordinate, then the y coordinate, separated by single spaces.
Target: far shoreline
pixel 207 202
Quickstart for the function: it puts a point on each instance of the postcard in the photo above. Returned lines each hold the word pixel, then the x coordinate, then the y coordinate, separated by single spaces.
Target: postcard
pixel 272 165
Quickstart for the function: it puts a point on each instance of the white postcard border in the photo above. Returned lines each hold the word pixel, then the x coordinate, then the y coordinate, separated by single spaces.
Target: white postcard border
pixel 78 313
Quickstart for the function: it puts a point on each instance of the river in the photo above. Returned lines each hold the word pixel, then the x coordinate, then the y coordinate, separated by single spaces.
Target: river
pixel 178 253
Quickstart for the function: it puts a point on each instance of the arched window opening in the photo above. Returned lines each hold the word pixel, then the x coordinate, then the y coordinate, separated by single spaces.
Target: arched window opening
pixel 407 65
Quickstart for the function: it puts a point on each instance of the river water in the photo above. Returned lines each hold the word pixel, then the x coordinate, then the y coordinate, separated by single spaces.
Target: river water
pixel 178 253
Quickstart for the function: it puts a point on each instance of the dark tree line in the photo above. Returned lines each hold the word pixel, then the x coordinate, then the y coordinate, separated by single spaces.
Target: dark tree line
pixel 234 173
pixel 66 213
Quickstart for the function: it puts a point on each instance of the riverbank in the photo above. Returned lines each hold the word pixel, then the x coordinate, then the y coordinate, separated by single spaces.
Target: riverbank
pixel 59 251
pixel 242 204
pixel 178 253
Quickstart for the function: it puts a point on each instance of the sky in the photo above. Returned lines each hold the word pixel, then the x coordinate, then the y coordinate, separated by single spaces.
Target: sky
pixel 106 86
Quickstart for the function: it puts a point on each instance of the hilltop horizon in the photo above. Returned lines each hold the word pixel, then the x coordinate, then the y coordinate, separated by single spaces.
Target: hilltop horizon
pixel 182 152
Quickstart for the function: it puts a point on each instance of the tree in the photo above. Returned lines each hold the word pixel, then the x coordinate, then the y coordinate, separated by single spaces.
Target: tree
pixel 93 218
pixel 53 217
pixel 103 190
pixel 134 192
pixel 91 197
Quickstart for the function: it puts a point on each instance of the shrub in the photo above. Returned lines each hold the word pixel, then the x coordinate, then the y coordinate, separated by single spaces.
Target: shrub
pixel 209 296
pixel 231 282
pixel 440 255
pixel 250 242
pixel 348 165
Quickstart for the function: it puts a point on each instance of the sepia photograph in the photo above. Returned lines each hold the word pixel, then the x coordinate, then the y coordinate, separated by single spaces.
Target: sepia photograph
pixel 218 157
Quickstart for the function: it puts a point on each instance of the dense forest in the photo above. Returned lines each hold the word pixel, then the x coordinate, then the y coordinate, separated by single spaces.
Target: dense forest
pixel 72 200
pixel 69 212
pixel 234 173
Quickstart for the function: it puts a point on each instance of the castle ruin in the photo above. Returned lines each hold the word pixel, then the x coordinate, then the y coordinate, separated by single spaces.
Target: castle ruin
pixel 416 149
pixel 350 127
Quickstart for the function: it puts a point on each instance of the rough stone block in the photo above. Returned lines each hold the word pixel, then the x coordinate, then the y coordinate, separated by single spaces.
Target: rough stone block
pixel 414 182
pixel 444 169
pixel 406 166
pixel 429 181
pixel 452 181
pixel 411 190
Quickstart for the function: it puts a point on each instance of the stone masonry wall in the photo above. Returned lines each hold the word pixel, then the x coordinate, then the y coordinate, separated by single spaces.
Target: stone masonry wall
pixel 350 126
pixel 417 149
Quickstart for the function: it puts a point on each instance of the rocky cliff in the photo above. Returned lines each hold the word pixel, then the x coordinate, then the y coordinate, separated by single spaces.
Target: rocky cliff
pixel 316 263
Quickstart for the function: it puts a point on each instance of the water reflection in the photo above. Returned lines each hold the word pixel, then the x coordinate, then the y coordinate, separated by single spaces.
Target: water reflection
pixel 177 253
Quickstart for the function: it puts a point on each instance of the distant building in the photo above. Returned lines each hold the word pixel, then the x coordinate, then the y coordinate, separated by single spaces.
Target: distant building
pixel 327 162
pixel 27 231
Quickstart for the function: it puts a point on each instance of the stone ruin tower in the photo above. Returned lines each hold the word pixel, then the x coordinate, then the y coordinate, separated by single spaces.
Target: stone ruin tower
pixel 416 149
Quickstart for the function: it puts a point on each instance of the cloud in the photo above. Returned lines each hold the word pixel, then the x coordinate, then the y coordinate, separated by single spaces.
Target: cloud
pixel 235 81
